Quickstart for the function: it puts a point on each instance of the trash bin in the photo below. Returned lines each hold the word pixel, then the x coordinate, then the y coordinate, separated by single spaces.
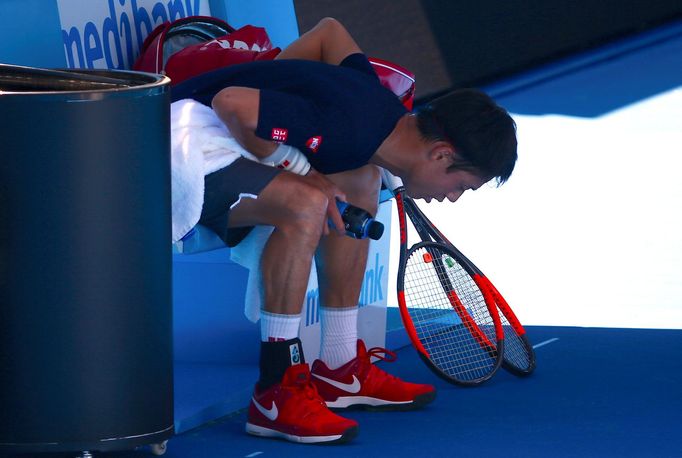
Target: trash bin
pixel 85 261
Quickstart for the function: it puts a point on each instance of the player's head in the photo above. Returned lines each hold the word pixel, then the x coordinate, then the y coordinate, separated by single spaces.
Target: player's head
pixel 478 136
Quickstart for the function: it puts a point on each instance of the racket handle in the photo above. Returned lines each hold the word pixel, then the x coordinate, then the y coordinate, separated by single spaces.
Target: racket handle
pixel 391 181
pixel 359 223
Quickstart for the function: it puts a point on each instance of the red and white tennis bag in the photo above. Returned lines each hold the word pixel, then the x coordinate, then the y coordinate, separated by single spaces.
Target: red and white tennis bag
pixel 194 45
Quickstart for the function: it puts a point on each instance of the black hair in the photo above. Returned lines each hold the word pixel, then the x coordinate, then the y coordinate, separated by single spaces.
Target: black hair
pixel 482 133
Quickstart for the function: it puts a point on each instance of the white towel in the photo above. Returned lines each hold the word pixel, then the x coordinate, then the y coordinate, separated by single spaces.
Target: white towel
pixel 248 254
pixel 200 145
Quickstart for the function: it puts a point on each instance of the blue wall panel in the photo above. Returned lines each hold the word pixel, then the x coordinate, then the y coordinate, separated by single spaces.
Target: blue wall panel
pixel 30 33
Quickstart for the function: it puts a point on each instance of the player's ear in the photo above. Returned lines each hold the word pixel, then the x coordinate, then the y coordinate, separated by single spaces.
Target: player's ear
pixel 441 151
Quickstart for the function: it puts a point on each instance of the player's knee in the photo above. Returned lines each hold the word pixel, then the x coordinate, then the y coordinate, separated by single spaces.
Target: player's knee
pixel 329 24
pixel 367 186
pixel 372 176
pixel 306 211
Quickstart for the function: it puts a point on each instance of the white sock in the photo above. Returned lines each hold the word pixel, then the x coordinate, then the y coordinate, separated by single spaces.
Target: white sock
pixel 276 327
pixel 339 338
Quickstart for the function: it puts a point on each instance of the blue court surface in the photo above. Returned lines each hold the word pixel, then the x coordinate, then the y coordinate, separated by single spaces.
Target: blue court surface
pixel 596 393
pixel 584 241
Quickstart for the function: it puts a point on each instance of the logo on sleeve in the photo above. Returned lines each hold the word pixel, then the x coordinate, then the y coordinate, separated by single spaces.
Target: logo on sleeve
pixel 314 143
pixel 279 134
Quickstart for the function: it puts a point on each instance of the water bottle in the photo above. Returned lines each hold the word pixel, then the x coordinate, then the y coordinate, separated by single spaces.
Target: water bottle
pixel 358 223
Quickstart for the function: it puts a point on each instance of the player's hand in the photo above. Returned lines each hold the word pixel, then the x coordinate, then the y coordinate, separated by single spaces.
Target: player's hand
pixel 333 192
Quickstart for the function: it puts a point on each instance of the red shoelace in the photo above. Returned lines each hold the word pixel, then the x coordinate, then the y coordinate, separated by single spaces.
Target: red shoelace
pixel 383 354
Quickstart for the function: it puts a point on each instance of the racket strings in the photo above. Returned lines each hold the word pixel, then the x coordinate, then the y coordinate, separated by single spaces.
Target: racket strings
pixel 449 314
pixel 516 351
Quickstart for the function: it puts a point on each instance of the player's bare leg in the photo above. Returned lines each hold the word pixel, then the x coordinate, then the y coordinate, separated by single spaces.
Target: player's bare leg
pixel 344 374
pixel 284 403
pixel 341 259
pixel 341 262
pixel 298 222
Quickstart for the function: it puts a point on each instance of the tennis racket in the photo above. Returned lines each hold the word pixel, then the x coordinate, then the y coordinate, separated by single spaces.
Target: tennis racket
pixel 452 323
pixel 518 356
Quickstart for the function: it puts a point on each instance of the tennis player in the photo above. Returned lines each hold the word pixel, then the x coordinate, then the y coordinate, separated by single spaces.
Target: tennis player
pixel 321 124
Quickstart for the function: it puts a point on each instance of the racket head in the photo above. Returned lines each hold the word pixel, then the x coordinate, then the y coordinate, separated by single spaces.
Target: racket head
pixel 519 356
pixel 451 322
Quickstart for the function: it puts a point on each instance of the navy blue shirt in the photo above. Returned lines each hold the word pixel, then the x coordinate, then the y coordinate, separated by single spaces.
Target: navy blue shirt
pixel 336 115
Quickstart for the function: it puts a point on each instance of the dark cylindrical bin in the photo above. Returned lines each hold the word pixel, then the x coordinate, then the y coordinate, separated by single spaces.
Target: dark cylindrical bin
pixel 85 260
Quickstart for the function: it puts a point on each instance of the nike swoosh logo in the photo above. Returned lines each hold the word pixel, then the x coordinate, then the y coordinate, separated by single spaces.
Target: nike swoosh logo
pixel 349 387
pixel 270 414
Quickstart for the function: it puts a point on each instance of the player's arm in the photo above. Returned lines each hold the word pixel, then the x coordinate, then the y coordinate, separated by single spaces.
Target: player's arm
pixel 328 41
pixel 237 108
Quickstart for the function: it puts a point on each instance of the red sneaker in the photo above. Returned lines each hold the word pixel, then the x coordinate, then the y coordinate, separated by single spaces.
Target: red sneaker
pixel 361 383
pixel 293 410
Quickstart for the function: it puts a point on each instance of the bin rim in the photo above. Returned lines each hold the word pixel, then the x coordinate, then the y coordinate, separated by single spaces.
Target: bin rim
pixel 105 82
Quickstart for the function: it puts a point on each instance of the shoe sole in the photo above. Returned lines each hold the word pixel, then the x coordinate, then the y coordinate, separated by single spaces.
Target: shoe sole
pixel 375 404
pixel 261 431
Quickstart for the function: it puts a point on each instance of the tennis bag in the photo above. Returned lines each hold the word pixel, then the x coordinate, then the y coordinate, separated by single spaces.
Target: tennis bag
pixel 194 45
pixel 395 78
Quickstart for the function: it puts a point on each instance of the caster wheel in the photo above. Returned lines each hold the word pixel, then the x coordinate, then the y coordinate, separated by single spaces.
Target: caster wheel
pixel 160 448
